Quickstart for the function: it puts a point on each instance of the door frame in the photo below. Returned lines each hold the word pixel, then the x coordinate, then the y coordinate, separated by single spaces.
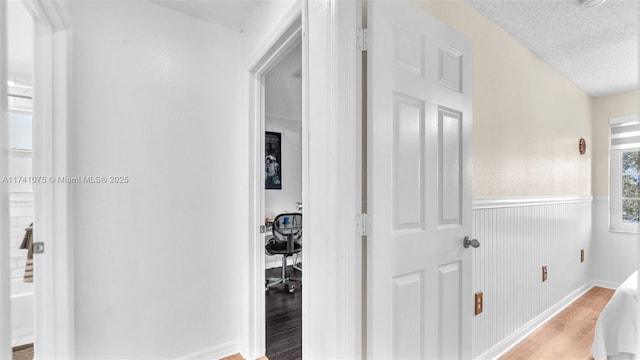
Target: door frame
pixel 53 291
pixel 5 273
pixel 332 299
pixel 331 188
pixel 285 37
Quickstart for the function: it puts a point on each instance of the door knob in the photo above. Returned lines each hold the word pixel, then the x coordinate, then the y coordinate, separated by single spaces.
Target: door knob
pixel 468 242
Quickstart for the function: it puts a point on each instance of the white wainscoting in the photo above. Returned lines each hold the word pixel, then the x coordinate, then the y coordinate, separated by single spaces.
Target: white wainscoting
pixel 617 252
pixel 518 236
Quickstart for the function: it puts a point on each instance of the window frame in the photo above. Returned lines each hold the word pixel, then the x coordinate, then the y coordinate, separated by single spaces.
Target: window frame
pixel 616 224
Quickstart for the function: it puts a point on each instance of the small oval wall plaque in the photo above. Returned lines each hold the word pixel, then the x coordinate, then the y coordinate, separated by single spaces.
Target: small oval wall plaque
pixel 582 146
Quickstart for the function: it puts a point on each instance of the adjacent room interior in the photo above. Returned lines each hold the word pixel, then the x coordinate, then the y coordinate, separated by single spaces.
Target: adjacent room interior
pixel 283 202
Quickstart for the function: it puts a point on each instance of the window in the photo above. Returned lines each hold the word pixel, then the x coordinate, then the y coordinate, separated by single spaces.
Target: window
pixel 20 139
pixel 624 180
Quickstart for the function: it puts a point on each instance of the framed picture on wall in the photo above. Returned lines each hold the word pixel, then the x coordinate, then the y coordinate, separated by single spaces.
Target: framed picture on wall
pixel 273 160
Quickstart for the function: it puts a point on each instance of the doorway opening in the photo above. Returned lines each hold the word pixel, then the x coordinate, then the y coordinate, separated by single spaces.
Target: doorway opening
pixel 34 153
pixel 20 184
pixel 283 217
pixel 276 187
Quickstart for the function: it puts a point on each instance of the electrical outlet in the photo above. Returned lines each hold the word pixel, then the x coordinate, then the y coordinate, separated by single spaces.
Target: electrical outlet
pixel 478 303
pixel 582 255
pixel 544 272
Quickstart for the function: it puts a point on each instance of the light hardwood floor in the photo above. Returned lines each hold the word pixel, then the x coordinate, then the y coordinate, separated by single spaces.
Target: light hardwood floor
pixel 569 334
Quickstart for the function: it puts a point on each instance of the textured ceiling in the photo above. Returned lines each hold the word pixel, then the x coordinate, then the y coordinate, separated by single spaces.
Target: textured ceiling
pixel 596 48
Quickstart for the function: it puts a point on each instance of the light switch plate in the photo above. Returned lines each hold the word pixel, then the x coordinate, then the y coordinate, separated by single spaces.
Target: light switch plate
pixel 478 303
pixel 38 247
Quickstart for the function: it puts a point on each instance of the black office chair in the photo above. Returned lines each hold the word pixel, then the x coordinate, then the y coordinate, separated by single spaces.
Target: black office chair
pixel 287 232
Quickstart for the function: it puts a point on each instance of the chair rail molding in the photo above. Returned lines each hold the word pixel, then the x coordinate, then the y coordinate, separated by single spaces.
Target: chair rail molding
pixel 505 202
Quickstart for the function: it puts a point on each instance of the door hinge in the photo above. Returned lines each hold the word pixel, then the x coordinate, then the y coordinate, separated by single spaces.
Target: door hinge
pixel 363 225
pixel 263 229
pixel 361 37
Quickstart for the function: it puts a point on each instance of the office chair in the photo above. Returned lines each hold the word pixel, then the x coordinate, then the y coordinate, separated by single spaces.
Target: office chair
pixel 287 232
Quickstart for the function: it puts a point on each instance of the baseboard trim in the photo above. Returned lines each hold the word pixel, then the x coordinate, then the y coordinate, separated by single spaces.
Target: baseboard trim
pixel 509 343
pixel 214 352
pixel 605 284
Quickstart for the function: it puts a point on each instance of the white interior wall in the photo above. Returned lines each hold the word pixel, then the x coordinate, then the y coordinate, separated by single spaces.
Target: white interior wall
pixel 20 43
pixel 259 30
pixel 158 261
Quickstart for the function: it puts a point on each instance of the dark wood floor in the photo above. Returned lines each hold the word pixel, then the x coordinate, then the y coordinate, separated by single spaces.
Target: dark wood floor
pixel 284 319
pixel 569 334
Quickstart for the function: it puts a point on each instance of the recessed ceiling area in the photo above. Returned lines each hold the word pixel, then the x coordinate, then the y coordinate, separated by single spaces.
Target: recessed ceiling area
pixel 283 83
pixel 229 13
pixel 595 47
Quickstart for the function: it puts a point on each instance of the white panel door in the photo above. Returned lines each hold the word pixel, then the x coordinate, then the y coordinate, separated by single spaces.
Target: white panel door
pixel 420 301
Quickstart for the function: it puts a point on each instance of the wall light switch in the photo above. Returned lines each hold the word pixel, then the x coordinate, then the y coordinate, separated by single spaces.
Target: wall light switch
pixel 478 303
pixel 582 255
pixel 544 273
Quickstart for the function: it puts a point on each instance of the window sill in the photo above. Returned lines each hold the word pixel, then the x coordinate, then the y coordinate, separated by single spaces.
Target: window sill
pixel 20 150
pixel 633 232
